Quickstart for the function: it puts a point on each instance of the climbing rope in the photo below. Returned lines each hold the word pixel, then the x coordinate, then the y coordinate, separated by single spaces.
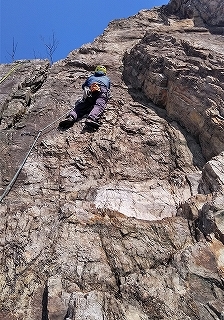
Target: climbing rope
pixel 26 157
pixel 10 71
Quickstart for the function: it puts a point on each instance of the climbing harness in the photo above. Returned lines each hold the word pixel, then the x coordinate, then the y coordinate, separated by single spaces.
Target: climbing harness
pixel 10 71
pixel 8 188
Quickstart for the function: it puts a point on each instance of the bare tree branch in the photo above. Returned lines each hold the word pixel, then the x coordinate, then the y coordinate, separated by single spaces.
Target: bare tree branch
pixel 51 46
pixel 12 53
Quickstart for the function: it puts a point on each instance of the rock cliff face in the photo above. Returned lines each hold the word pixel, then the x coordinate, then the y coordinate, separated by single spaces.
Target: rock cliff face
pixel 125 222
pixel 203 13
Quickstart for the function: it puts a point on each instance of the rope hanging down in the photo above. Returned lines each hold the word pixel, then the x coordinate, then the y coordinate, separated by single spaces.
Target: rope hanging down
pixel 26 157
pixel 10 71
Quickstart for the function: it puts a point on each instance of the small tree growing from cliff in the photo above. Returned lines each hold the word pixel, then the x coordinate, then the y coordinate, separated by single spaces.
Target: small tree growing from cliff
pixel 51 46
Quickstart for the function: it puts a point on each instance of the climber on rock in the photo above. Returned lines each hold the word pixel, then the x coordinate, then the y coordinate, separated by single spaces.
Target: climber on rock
pixel 96 94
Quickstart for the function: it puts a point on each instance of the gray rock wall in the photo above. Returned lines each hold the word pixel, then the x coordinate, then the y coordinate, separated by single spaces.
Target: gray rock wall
pixel 125 222
pixel 209 13
pixel 185 77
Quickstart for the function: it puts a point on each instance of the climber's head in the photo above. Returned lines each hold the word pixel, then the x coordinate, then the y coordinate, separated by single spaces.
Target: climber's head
pixel 100 70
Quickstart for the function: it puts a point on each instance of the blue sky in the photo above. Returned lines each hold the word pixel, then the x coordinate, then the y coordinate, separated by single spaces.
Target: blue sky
pixel 30 24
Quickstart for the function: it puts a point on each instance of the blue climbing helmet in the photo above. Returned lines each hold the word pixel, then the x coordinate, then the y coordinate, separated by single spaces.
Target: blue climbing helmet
pixel 101 70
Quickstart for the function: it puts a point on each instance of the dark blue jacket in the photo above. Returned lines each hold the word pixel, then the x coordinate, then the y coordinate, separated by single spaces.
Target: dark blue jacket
pixel 99 78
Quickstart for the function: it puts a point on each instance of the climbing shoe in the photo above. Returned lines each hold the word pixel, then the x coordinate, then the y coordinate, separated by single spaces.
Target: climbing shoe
pixel 92 123
pixel 67 123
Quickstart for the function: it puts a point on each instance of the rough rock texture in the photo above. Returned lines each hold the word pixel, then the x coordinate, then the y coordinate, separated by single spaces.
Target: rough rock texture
pixel 185 77
pixel 125 222
pixel 203 12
